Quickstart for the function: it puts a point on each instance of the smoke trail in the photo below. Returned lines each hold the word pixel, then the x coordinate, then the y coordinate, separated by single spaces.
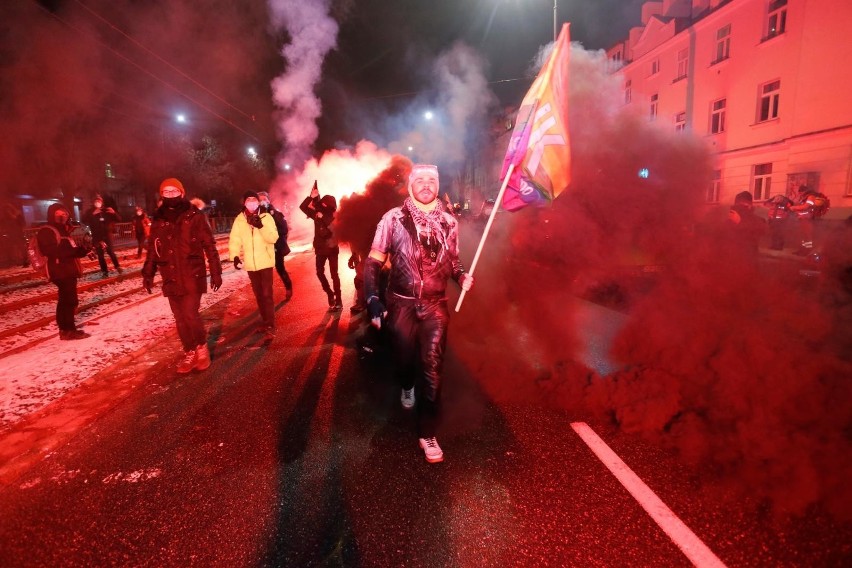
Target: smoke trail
pixel 738 365
pixel 313 33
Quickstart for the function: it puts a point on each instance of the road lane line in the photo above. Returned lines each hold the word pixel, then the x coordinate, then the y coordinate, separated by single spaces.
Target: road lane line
pixel 694 549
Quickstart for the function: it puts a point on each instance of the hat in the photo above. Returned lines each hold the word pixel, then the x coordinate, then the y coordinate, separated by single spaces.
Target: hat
pixel 248 194
pixel 172 182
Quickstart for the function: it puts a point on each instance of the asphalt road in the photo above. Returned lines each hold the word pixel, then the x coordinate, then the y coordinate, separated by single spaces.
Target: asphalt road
pixel 296 452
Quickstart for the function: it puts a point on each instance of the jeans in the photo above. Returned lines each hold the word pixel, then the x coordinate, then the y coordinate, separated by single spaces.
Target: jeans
pixel 261 285
pixel 281 270
pixel 190 327
pixel 331 257
pixel 67 304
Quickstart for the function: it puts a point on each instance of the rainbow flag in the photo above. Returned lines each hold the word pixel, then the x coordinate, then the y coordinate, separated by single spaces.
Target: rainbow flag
pixel 539 147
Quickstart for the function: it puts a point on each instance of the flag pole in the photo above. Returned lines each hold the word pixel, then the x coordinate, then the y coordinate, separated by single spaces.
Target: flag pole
pixel 497 204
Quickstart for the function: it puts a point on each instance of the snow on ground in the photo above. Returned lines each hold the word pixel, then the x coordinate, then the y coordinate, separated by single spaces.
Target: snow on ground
pixel 43 373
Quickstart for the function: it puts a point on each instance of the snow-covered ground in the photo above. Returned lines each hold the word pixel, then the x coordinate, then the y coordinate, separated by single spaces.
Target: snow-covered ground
pixel 41 374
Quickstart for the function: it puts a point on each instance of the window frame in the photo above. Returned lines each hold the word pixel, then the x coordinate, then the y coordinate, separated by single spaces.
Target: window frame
pixel 680 121
pixel 715 188
pixel 723 44
pixel 761 181
pixel 655 105
pixel 768 101
pixel 776 19
pixel 682 64
pixel 718 115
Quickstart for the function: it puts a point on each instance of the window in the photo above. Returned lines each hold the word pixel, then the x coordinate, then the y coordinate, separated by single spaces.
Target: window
pixel 770 94
pixel 108 170
pixel 655 66
pixel 680 122
pixel 714 188
pixel 654 102
pixel 717 116
pixel 682 63
pixel 777 21
pixel 762 181
pixel 723 43
pixel 628 92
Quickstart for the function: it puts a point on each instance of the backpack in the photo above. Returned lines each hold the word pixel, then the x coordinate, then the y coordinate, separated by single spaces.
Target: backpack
pixel 37 260
pixel 821 204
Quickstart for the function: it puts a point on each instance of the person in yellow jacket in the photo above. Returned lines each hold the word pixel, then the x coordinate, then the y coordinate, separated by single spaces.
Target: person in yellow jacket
pixel 252 243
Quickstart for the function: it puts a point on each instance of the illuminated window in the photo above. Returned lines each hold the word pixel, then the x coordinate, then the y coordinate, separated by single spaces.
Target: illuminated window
pixel 762 181
pixel 723 43
pixel 770 94
pixel 717 116
pixel 777 21
pixel 654 103
pixel 680 122
pixel 108 170
pixel 682 63
pixel 655 66
pixel 628 92
pixel 714 188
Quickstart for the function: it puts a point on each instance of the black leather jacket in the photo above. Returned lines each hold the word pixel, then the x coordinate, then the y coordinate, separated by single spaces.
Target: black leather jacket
pixel 412 275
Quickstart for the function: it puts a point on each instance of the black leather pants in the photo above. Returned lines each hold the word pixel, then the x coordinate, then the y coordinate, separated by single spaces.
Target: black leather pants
pixel 418 331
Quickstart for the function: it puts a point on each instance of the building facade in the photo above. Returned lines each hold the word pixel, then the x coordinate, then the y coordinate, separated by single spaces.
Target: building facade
pixel 762 81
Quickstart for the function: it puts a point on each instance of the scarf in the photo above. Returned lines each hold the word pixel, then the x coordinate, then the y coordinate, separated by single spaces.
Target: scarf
pixel 428 223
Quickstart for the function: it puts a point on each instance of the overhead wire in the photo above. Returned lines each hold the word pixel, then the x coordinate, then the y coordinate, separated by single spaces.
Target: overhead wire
pixel 149 73
pixel 164 61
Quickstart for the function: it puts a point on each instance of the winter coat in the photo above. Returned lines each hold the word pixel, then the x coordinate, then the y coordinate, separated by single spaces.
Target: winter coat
pixel 281 245
pixel 324 239
pixel 141 226
pixel 101 224
pixel 255 247
pixel 62 252
pixel 179 240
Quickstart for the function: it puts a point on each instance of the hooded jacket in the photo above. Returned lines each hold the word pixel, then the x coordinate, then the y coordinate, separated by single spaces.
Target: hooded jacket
pixel 180 238
pixel 62 252
pixel 255 247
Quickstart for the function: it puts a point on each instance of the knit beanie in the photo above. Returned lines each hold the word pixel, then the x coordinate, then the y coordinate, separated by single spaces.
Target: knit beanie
pixel 172 182
pixel 248 194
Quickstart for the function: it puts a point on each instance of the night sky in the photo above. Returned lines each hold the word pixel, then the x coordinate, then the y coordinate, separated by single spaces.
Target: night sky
pixel 104 67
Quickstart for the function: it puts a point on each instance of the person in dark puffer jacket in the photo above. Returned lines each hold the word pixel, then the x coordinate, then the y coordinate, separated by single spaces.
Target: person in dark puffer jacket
pixel 179 240
pixel 63 267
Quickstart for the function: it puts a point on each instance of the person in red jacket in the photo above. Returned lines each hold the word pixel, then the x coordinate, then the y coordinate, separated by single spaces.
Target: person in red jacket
pixel 179 240
pixel 63 267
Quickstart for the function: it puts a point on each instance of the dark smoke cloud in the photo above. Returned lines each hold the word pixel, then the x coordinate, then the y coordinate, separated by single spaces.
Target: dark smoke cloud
pixel 741 367
pixel 360 213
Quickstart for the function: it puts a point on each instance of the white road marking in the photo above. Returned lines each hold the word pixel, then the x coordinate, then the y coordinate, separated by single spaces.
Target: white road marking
pixel 694 549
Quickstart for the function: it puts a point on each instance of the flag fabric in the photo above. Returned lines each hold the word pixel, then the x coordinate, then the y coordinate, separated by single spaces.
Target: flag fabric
pixel 539 147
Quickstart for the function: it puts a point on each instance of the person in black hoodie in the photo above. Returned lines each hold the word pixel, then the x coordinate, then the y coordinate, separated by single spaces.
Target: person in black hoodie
pixel 282 249
pixel 63 267
pixel 325 244
pixel 179 240
pixel 101 219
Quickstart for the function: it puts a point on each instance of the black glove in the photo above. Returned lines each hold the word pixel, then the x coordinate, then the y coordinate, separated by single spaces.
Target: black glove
pixel 353 262
pixel 376 308
pixel 215 281
pixel 147 283
pixel 237 262
pixel 254 221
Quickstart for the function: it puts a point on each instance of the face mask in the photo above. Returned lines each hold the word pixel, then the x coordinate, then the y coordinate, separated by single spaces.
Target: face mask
pixel 99 204
pixel 171 201
pixel 251 206
pixel 264 205
pixel 138 213
pixel 61 218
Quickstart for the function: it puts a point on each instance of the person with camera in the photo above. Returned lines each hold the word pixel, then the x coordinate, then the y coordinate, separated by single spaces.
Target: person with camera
pixel 101 219
pixel 252 243
pixel 180 238
pixel 282 249
pixel 63 267
pixel 321 211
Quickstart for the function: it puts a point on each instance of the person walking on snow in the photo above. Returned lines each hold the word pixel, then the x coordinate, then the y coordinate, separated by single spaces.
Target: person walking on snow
pixel 421 239
pixel 101 219
pixel 179 240
pixel 252 242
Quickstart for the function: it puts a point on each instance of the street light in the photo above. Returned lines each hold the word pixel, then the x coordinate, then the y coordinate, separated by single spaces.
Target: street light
pixel 180 118
pixel 252 152
pixel 428 115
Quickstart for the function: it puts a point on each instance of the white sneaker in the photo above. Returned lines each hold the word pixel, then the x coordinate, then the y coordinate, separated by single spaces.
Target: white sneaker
pixel 407 398
pixel 434 454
